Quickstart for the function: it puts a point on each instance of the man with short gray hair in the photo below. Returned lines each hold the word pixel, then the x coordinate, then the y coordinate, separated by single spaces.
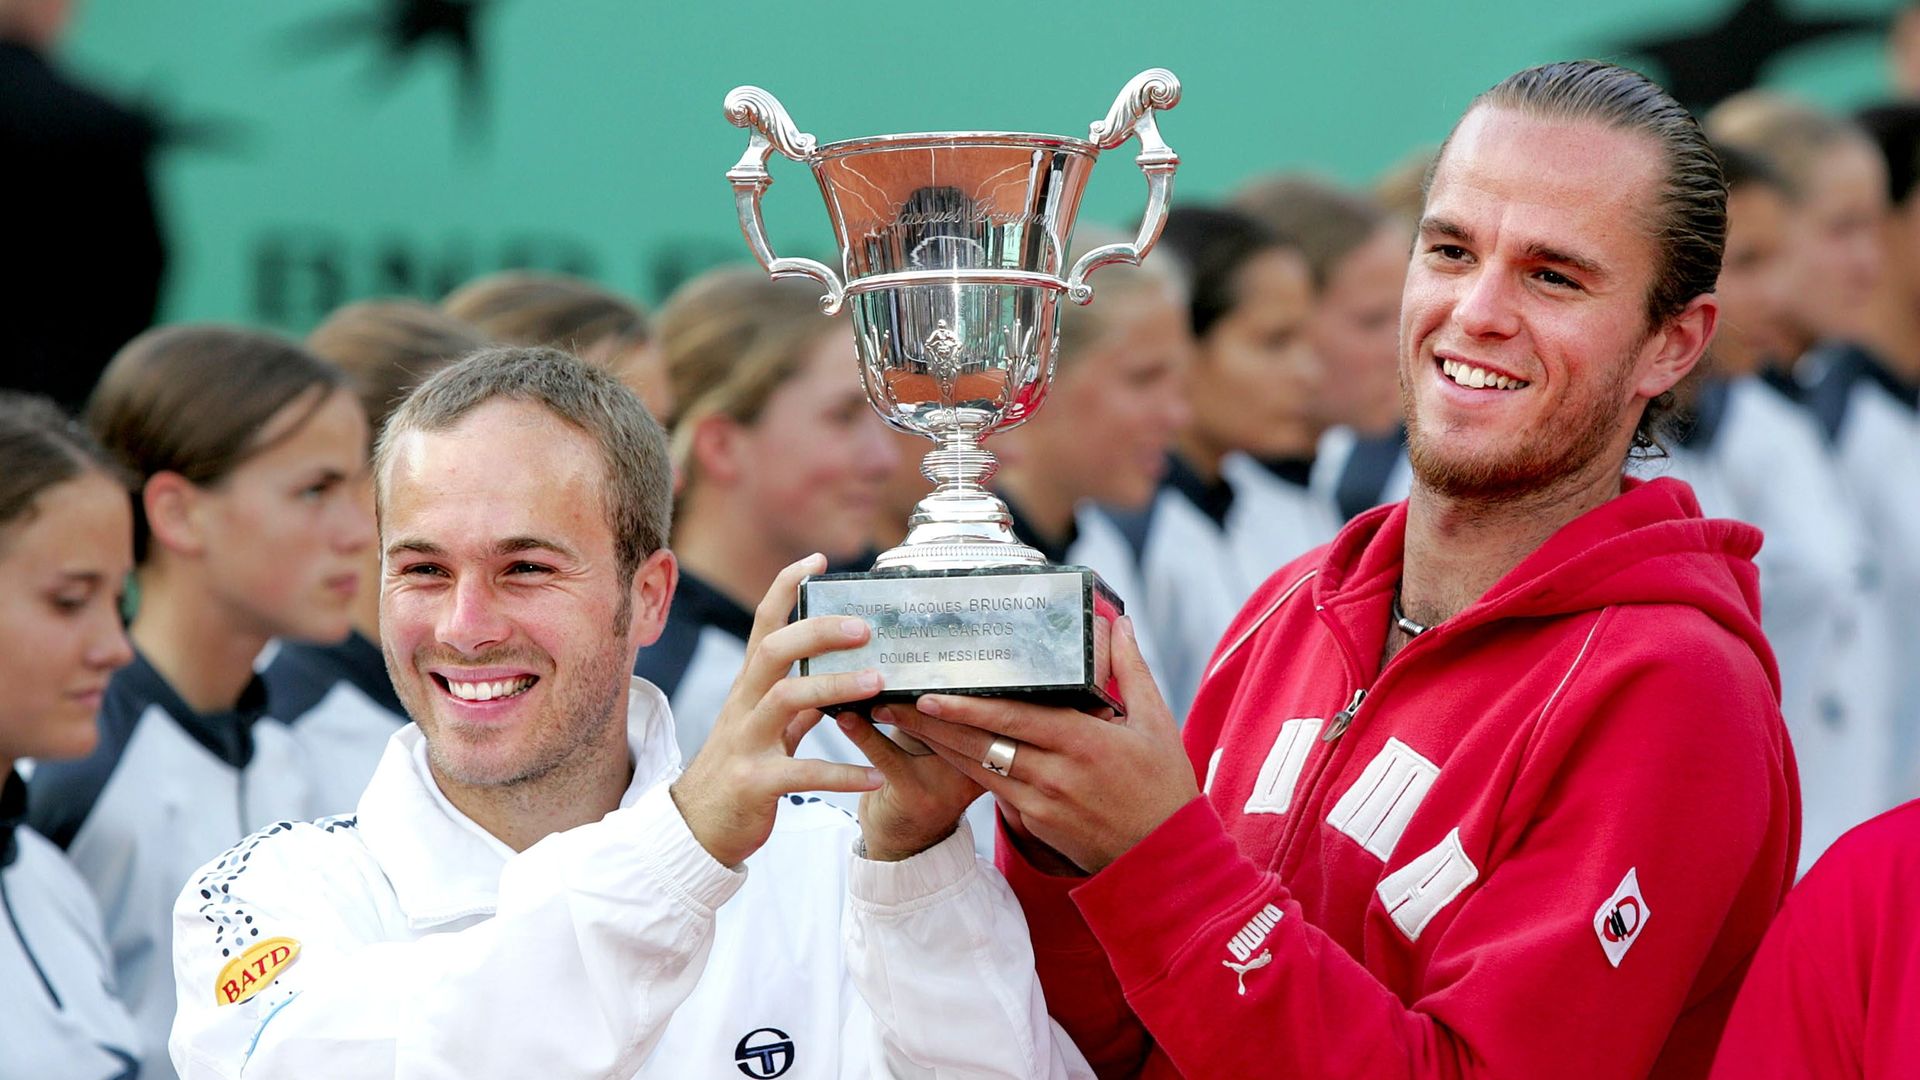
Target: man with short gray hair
pixel 531 886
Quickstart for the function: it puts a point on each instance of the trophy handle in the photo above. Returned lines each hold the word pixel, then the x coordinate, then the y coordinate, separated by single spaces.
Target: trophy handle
pixel 1133 115
pixel 772 129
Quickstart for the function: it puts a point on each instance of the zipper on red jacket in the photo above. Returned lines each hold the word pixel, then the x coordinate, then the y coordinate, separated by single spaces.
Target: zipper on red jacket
pixel 1344 718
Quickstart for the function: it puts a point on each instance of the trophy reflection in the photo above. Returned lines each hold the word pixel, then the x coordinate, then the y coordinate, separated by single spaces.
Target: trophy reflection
pixel 953 259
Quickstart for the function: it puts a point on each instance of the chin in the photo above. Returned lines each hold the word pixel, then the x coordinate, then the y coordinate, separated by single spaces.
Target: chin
pixel 1135 497
pixel 475 766
pixel 73 735
pixel 328 629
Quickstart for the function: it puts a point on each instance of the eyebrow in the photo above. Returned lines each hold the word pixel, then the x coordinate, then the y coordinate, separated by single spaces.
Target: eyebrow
pixel 1443 227
pixel 1544 253
pixel 512 545
pixel 1535 252
pixel 87 577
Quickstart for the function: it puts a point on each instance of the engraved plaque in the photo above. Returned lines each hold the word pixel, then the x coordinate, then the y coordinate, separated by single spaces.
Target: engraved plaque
pixel 1040 633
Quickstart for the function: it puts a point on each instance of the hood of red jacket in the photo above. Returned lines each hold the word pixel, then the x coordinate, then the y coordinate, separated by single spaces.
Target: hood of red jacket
pixel 1651 545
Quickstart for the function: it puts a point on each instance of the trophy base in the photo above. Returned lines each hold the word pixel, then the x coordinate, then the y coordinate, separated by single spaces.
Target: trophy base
pixel 1039 633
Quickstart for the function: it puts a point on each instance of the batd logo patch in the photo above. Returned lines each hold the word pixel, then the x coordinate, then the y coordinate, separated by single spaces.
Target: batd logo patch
pixel 251 972
pixel 1619 921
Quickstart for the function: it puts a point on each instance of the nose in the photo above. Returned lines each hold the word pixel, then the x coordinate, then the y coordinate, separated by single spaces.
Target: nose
pixel 878 448
pixel 1485 307
pixel 471 619
pixel 107 645
pixel 1869 257
pixel 1176 411
pixel 352 525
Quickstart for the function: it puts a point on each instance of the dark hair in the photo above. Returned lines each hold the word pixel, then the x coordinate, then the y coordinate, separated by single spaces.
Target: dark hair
pixel 1325 223
pixel 40 449
pixel 1742 167
pixel 1214 243
pixel 193 400
pixel 525 307
pixel 389 347
pixel 1689 219
pixel 633 449
pixel 1895 129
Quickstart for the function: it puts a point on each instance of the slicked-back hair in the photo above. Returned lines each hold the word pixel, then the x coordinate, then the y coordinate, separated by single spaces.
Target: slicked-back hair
pixel 638 494
pixel 194 399
pixel 40 449
pixel 1688 219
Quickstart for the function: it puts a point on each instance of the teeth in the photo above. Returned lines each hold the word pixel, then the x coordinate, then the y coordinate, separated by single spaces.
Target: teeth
pixel 1478 378
pixel 487 691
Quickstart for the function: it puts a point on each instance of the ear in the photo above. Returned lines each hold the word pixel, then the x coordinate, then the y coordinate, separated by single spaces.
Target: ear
pixel 1677 346
pixel 175 509
pixel 717 453
pixel 652 597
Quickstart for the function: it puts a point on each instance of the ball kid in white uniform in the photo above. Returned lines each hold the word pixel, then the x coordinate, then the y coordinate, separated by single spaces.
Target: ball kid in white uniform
pixel 777 455
pixel 66 544
pixel 247 527
pixel 1250 295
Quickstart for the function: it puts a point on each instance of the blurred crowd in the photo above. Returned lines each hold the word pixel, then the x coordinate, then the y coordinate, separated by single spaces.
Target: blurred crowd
pixel 1217 411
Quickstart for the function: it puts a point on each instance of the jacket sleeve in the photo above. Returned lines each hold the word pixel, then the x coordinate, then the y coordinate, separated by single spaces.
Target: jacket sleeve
pixel 1805 1005
pixel 1678 774
pixel 1084 993
pixel 939 950
pixel 600 933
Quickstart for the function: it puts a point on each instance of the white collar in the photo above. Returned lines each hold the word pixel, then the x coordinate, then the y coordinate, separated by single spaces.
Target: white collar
pixel 442 865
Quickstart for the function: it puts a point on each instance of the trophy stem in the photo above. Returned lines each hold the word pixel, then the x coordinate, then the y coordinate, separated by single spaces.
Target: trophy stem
pixel 961 525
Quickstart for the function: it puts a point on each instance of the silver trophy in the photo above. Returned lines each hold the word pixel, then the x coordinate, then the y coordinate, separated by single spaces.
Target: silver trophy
pixel 952 247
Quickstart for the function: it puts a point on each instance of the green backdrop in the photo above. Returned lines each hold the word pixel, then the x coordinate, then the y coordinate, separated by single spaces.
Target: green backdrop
pixel 317 162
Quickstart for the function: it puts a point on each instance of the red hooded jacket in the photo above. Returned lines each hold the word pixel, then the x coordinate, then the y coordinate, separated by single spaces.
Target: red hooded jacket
pixel 1542 841
pixel 1835 988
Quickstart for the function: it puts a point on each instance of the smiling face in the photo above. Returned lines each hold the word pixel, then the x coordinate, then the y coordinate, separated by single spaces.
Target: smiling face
pixel 508 629
pixel 61 571
pixel 1526 355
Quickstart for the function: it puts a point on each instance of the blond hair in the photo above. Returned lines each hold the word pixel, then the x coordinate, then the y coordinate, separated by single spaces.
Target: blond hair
pixel 526 307
pixel 729 338
pixel 1115 286
pixel 1787 133
pixel 389 347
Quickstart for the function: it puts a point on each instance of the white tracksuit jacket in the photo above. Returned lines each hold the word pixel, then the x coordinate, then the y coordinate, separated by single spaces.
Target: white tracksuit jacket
pixel 1755 456
pixel 407 942
pixel 59 1018
pixel 1197 570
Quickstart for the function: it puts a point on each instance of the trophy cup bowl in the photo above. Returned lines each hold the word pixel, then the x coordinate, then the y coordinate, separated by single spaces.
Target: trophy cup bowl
pixel 953 251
